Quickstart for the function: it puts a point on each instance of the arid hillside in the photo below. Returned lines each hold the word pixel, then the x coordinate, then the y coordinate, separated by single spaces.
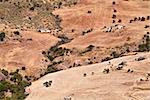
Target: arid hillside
pixel 128 78
pixel 92 30
pixel 107 40
pixel 21 32
pixel 100 30
pixel 96 15
pixel 25 51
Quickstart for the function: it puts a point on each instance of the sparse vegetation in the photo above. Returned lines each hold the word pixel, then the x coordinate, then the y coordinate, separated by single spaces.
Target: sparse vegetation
pixel 106 59
pixel 119 21
pixel 51 69
pixel 140 58
pixel 55 51
pixel 64 39
pixel 145 46
pixel 114 16
pixel 2 36
pixel 47 84
pixel 87 31
pixel 114 54
pixel 89 12
pixel 87 49
pixel 113 2
pixel 119 68
pixel 16 32
pixel 106 71
pixel 122 63
pixel 23 68
pixel 5 72
pixel 15 85
pixel 84 75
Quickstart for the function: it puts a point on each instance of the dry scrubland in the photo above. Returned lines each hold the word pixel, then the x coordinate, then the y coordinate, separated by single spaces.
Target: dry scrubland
pixel 45 36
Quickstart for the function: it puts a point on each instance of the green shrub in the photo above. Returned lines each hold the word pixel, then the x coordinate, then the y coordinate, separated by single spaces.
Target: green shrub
pixel 2 36
pixel 142 47
pixel 16 86
pixel 51 69
pixel 145 46
pixel 50 57
pixel 5 72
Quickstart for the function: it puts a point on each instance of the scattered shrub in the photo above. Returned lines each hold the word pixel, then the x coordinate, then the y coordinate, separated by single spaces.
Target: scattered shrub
pixel 140 58
pixel 84 75
pixel 2 36
pixel 146 26
pixel 148 17
pixel 114 54
pixel 23 68
pixel 5 72
pixel 119 68
pixel 51 69
pixel 89 12
pixel 113 2
pixel 46 84
pixel 32 8
pixel 115 11
pixel 106 71
pixel 50 57
pixel 87 31
pixel 16 32
pixel 114 16
pixel 145 46
pixel 122 63
pixel 142 19
pixel 119 21
pixel 89 48
pixel 113 21
pixel 106 59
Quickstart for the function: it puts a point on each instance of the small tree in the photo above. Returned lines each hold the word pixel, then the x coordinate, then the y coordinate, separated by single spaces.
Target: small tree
pixel 119 21
pixel 23 68
pixel 114 16
pixel 113 2
pixel 2 36
pixel 142 19
pixel 106 71
pixel 148 17
pixel 50 57
pixel 5 72
pixel 16 32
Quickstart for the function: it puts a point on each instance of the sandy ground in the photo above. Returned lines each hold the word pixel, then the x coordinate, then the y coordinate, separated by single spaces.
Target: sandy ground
pixel 117 85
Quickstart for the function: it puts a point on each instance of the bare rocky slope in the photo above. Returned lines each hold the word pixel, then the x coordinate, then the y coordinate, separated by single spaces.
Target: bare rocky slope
pixel 96 85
